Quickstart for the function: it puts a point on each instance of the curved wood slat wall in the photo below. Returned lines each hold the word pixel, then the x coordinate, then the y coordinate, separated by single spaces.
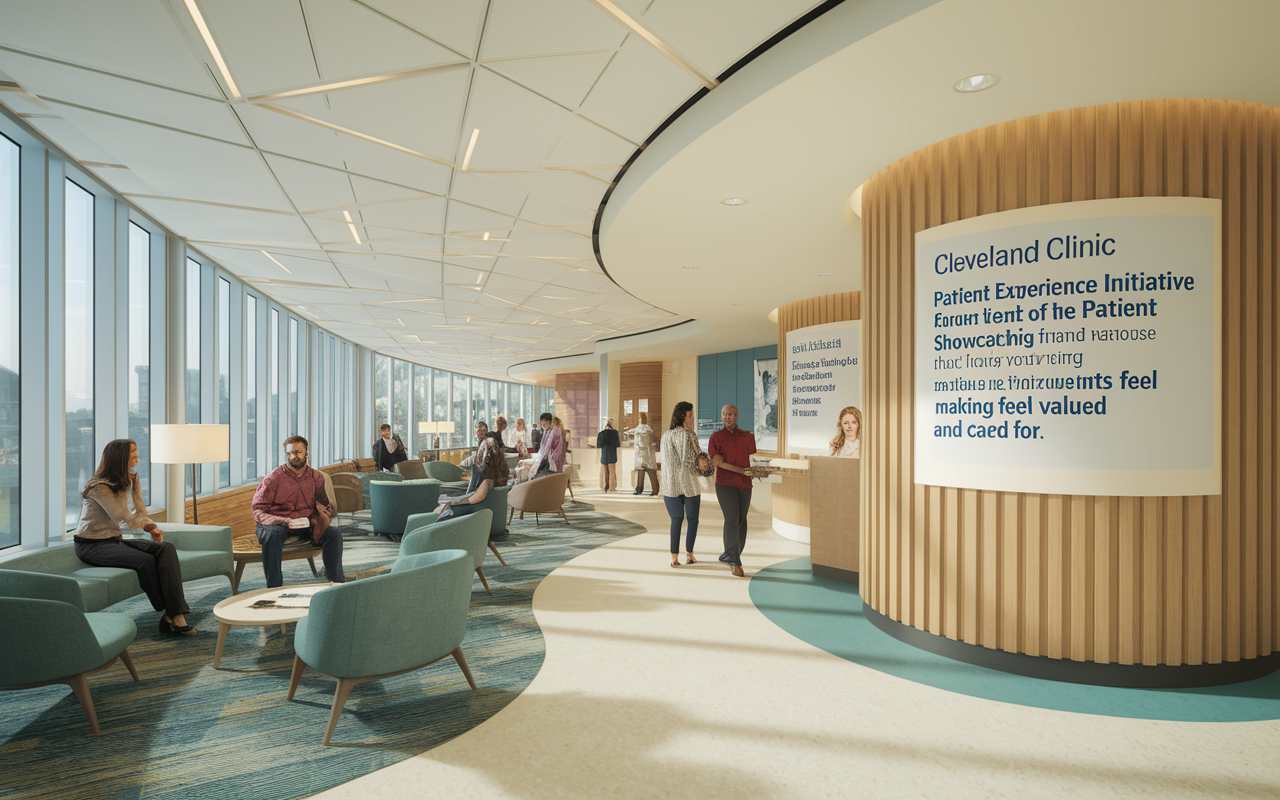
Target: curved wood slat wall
pixel 1129 580
pixel 791 497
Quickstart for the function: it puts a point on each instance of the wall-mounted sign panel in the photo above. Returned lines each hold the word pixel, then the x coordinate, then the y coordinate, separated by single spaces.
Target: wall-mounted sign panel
pixel 823 378
pixel 1071 349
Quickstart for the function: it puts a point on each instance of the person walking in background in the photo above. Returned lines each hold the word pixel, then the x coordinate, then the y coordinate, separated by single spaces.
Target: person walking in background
pixel 607 442
pixel 291 501
pixel 848 438
pixel 551 453
pixel 646 458
pixel 388 450
pixel 108 497
pixel 730 449
pixel 680 491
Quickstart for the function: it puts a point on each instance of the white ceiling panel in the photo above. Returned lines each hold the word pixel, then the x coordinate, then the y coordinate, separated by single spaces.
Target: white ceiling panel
pixel 506 283
pixel 418 113
pixel 463 217
pixel 564 79
pixel 352 40
pixel 202 223
pixel 51 80
pixel 518 129
pixel 547 211
pixel 271 52
pixel 637 92
pixel 184 165
pixel 584 144
pixel 573 189
pixel 70 138
pixel 452 23
pixel 310 186
pixel 423 214
pixel 589 282
pixel 547 243
pixel 531 269
pixel 492 192
pixel 521 28
pixel 134 38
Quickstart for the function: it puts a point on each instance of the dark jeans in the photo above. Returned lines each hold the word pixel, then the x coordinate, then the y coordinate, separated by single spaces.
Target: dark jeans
pixel 734 502
pixel 653 480
pixel 679 509
pixel 272 539
pixel 155 562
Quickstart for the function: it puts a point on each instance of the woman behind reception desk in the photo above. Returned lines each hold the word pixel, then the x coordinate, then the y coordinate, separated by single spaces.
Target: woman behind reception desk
pixel 848 438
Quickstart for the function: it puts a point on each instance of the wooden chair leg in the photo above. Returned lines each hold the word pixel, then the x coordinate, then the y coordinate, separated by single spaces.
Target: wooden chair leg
pixel 566 519
pixel 521 513
pixel 536 520
pixel 128 663
pixel 483 582
pixel 340 695
pixel 80 685
pixel 312 562
pixel 511 513
pixel 462 665
pixel 571 497
pixel 235 582
pixel 496 553
pixel 295 676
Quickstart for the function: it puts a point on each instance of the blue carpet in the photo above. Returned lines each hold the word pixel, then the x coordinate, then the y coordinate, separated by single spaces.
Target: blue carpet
pixel 190 731
pixel 828 615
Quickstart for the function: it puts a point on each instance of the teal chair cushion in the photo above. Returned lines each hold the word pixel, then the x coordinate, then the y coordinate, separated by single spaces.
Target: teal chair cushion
pixel 394 502
pixel 45 640
pixel 470 533
pixel 121 584
pixel 114 632
pixel 444 471
pixel 398 621
pixel 198 564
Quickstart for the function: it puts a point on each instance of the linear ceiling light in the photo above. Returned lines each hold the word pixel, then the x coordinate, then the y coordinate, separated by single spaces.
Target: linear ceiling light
pixel 339 85
pixel 288 112
pixel 471 148
pixel 352 226
pixel 207 35
pixel 278 264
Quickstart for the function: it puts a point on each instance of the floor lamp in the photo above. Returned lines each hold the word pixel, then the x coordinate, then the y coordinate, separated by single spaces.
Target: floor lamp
pixel 191 444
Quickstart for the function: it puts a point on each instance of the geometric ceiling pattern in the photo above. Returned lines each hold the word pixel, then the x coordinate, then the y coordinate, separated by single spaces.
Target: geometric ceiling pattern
pixel 419 176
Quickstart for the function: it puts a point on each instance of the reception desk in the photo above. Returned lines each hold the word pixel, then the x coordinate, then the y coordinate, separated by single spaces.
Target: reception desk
pixel 833 517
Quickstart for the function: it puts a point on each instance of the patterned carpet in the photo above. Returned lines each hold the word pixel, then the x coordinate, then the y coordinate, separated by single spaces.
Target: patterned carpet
pixel 188 730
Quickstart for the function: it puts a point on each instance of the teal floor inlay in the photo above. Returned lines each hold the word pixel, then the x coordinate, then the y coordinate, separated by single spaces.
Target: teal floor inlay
pixel 828 615
pixel 190 731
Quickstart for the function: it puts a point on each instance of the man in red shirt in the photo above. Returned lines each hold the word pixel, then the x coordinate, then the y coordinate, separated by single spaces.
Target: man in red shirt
pixel 291 501
pixel 730 449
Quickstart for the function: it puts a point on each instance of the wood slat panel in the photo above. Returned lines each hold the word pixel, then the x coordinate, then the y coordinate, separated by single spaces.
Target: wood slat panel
pixel 1126 580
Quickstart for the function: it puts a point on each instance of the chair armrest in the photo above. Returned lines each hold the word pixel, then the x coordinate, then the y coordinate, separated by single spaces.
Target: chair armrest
pixel 416 521
pixel 347 499
pixel 41 586
pixel 45 640
pixel 199 537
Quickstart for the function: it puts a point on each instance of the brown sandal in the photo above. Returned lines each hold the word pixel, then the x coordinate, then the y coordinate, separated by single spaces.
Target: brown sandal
pixel 675 561
pixel 690 559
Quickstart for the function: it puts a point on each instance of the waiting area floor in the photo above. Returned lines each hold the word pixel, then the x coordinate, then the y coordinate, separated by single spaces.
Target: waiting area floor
pixel 661 682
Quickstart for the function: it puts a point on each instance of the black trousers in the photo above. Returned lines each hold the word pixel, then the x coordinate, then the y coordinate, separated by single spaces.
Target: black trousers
pixel 734 502
pixel 155 562
pixel 653 480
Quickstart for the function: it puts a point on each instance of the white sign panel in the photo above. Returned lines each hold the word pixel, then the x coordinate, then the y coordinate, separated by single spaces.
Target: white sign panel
pixel 1071 349
pixel 823 377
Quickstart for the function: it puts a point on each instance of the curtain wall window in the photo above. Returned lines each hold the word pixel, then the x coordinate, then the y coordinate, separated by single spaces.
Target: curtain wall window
pixel 273 372
pixel 251 387
pixel 401 389
pixel 10 397
pixel 293 369
pixel 440 401
pixel 139 375
pixel 79 242
pixel 381 391
pixel 421 408
pixel 461 419
pixel 193 353
pixel 224 370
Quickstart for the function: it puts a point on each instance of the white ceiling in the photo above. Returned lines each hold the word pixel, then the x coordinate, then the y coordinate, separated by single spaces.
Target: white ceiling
pixel 802 126
pixel 562 92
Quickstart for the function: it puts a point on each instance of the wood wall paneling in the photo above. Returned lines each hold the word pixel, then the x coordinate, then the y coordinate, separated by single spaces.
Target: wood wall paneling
pixel 1146 580
pixel 578 406
pixel 642 379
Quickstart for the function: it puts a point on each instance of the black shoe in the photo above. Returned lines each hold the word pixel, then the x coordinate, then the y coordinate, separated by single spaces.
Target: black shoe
pixel 637 493
pixel 167 626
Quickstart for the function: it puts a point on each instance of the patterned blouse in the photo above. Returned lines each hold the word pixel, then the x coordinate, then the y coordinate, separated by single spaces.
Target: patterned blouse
pixel 646 458
pixel 680 451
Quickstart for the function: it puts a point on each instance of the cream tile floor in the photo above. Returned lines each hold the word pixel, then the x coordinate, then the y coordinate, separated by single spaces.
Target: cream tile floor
pixel 663 682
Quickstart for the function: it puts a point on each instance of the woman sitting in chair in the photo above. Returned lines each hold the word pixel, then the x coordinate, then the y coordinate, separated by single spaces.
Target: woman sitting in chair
pixel 107 499
pixel 489 469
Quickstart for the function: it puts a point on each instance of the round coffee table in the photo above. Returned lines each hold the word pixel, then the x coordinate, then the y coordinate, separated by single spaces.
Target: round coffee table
pixel 238 610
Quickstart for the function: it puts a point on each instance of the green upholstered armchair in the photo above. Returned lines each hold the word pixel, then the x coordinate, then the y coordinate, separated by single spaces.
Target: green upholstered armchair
pixel 469 532
pixel 48 638
pixel 393 503
pixel 367 478
pixel 350 632
pixel 453 478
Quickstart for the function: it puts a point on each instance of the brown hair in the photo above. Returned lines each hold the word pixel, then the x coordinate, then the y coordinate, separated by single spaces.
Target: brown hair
pixel 113 469
pixel 296 439
pixel 678 414
pixel 644 418
pixel 838 441
pixel 492 460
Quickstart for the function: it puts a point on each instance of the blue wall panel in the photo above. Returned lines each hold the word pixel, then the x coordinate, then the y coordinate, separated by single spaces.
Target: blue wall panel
pixel 729 378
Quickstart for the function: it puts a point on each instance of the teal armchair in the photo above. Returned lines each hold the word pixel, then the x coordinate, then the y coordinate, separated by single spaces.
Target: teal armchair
pixel 470 533
pixel 367 478
pixel 48 638
pixel 453 478
pixel 349 634
pixel 393 503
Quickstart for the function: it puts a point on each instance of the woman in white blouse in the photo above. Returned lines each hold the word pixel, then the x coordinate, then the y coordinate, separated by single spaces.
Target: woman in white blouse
pixel 517 437
pixel 848 438
pixel 107 499
pixel 680 490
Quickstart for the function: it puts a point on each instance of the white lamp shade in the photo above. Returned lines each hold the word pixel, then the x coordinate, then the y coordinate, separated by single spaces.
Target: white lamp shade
pixel 427 427
pixel 445 427
pixel 190 444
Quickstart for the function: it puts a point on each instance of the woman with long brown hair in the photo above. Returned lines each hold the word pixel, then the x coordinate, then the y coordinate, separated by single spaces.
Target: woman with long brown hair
pixel 847 442
pixel 99 542
pixel 489 469
pixel 681 456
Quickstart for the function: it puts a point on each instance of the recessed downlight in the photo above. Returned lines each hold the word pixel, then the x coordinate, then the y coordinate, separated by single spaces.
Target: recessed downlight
pixel 735 304
pixel 976 83
pixel 734 201
pixel 825 274
pixel 690 266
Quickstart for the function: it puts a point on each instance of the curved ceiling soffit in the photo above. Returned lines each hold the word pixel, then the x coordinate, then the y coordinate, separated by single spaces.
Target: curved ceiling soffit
pixel 764 47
